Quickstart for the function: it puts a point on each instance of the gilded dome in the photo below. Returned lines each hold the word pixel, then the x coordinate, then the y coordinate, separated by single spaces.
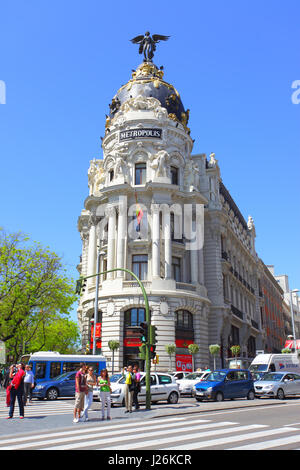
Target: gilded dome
pixel 147 80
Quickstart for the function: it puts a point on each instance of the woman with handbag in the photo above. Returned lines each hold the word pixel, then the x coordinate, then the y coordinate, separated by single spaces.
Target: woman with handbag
pixel 137 387
pixel 129 388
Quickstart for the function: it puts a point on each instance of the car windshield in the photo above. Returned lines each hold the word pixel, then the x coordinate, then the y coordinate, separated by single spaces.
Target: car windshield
pixel 115 377
pixel 273 377
pixel 193 376
pixel 258 367
pixel 216 376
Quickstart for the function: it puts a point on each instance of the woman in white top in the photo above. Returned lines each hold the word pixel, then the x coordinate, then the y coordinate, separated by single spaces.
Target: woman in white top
pixel 90 381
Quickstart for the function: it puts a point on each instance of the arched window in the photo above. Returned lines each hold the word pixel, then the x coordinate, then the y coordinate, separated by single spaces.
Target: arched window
pixel 184 320
pixel 134 317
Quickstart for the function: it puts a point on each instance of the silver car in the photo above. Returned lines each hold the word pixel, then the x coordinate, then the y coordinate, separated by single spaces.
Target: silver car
pixel 163 388
pixel 278 385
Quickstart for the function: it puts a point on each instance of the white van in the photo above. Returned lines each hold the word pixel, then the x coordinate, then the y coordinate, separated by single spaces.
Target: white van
pixel 275 362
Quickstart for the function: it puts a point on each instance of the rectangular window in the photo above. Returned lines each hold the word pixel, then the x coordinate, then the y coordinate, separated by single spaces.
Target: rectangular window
pixel 140 173
pixel 140 266
pixel 174 175
pixel 54 369
pixel 176 269
pixel 40 370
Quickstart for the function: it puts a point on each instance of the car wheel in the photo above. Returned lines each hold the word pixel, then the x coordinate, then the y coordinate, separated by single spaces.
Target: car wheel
pixel 198 399
pixel 219 396
pixel 173 398
pixel 52 394
pixel 280 394
pixel 250 395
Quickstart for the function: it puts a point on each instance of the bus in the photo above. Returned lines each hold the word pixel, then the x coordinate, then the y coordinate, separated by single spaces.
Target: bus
pixel 47 365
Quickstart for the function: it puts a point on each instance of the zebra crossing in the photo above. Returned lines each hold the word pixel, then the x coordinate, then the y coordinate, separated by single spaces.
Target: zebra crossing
pixel 178 433
pixel 39 408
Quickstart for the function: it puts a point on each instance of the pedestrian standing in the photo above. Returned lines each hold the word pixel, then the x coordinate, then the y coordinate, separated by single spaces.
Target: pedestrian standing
pixel 28 384
pixel 88 400
pixel 1 378
pixel 17 390
pixel 80 392
pixel 105 391
pixel 129 388
pixel 137 387
pixel 7 381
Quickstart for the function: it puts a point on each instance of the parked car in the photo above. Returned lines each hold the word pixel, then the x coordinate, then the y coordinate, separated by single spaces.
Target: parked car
pixel 115 378
pixel 258 375
pixel 226 383
pixel 187 383
pixel 179 375
pixel 163 388
pixel 278 385
pixel 61 386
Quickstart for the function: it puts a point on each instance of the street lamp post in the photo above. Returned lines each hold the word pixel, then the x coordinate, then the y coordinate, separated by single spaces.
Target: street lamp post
pixel 292 315
pixel 148 360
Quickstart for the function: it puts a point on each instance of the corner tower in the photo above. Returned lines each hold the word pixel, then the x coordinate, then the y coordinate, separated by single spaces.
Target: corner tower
pixel 141 214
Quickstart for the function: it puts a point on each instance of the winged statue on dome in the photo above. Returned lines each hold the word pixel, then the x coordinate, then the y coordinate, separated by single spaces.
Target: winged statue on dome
pixel 148 44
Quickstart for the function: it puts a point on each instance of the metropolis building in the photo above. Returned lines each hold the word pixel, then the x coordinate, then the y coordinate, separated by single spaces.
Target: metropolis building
pixel 165 214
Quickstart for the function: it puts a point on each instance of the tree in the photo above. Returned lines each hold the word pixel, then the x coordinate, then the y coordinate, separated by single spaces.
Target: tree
pixel 171 349
pixel 214 350
pixel 235 351
pixel 34 290
pixel 113 346
pixel 194 349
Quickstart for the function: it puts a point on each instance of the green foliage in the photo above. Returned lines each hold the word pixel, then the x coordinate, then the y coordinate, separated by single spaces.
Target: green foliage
pixel 214 349
pixel 35 295
pixel 193 348
pixel 171 349
pixel 235 350
pixel 286 351
pixel 113 345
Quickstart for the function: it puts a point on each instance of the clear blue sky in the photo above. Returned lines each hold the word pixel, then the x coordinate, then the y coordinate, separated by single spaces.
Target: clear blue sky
pixel 233 63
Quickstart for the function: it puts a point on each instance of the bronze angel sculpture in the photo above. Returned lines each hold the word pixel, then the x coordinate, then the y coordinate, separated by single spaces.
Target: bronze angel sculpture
pixel 148 44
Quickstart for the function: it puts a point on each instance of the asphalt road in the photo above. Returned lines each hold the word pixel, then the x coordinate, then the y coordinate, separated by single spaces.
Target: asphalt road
pixel 187 425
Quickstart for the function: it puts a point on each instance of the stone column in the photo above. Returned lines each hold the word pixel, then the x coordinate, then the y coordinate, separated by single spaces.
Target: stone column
pixel 168 244
pixel 111 212
pixel 121 239
pixel 194 260
pixel 155 242
pixel 92 248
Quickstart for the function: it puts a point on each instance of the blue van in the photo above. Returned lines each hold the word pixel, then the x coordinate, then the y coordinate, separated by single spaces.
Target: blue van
pixel 226 383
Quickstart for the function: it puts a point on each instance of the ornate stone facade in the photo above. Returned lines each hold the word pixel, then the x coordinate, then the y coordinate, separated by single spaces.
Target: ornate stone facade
pixel 201 290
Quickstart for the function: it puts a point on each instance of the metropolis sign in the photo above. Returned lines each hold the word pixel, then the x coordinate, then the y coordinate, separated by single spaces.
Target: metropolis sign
pixel 140 133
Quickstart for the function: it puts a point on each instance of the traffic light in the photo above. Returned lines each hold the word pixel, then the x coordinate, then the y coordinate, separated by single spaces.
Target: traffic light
pixel 152 351
pixel 80 285
pixel 153 338
pixel 144 336
pixel 142 354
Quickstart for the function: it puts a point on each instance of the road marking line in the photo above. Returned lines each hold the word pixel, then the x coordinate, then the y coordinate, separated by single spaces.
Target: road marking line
pixel 165 423
pixel 107 441
pixel 187 437
pixel 229 440
pixel 272 443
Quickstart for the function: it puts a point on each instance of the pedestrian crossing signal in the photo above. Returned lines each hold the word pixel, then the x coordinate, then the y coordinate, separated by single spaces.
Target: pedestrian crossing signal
pixel 144 336
pixel 80 286
pixel 152 351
